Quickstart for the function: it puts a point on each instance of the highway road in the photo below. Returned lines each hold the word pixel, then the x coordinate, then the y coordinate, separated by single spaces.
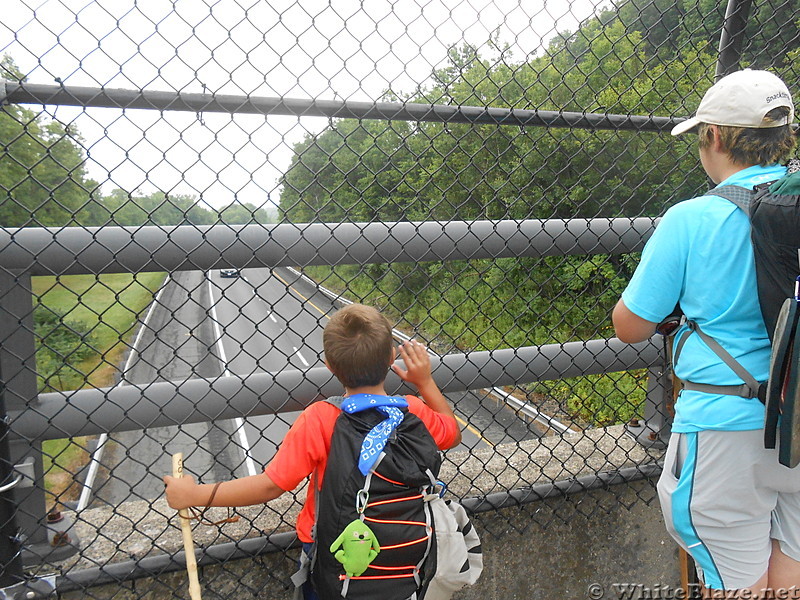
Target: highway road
pixel 203 325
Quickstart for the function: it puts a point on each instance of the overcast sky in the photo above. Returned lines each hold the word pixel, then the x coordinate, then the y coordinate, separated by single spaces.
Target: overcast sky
pixel 341 49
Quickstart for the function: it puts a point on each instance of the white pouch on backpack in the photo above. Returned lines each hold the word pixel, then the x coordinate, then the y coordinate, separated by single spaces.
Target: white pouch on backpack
pixel 459 560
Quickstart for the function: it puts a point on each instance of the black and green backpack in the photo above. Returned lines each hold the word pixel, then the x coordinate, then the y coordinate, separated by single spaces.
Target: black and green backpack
pixel 390 499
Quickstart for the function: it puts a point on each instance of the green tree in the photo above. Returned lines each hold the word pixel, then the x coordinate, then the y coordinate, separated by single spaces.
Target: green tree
pixel 354 171
pixel 43 179
pixel 123 208
pixel 639 57
pixel 243 213
pixel 365 171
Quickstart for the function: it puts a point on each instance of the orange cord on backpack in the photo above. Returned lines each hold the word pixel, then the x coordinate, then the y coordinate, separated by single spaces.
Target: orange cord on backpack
pixel 413 568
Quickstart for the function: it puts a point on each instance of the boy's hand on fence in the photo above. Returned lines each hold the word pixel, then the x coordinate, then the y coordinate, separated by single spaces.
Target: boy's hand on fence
pixel 418 372
pixel 417 362
pixel 180 491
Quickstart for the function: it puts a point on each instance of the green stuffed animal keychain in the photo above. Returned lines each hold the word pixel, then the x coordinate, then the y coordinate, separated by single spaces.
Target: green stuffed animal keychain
pixel 356 547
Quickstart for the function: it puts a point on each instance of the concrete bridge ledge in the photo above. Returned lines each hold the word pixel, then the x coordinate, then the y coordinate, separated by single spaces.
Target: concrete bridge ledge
pixel 551 548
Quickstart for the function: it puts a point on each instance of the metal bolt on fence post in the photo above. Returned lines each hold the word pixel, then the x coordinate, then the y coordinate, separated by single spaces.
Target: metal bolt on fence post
pixel 60 538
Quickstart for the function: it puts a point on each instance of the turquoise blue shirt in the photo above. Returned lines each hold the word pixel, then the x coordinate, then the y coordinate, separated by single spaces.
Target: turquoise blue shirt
pixel 701 256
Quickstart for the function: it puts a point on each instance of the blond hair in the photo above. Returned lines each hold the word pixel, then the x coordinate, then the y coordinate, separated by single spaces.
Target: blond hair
pixel 358 342
pixel 754 146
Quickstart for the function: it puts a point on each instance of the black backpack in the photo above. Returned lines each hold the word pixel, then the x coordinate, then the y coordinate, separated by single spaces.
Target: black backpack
pixel 774 212
pixel 775 233
pixel 392 496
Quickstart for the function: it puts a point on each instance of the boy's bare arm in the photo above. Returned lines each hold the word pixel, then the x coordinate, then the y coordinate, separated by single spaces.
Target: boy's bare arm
pixel 418 372
pixel 246 491
pixel 630 327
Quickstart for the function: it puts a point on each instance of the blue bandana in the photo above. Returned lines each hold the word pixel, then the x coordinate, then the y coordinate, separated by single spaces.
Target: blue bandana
pixel 376 439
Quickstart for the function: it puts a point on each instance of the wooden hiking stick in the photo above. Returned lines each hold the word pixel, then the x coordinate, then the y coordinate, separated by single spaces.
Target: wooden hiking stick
pixel 186 530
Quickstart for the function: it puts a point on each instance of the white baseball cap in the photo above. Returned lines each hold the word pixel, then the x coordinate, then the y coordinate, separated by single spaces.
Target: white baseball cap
pixel 741 99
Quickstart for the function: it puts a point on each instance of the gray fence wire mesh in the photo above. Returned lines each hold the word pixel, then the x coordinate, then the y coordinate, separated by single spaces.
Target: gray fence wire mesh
pixel 189 190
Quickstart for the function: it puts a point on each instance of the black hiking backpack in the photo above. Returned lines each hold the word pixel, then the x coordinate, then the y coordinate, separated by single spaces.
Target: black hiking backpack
pixel 774 212
pixel 390 499
pixel 775 233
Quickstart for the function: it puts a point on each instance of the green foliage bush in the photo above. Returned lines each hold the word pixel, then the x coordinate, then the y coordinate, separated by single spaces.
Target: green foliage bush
pixel 62 342
pixel 599 400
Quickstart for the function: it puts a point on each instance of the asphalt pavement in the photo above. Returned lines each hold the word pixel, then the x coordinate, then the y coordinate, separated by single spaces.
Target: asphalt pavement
pixel 207 326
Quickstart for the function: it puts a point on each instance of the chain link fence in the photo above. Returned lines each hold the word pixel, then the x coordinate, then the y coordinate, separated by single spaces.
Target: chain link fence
pixel 189 190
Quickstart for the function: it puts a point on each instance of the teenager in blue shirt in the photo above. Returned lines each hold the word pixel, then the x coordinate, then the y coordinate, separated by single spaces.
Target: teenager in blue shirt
pixel 725 499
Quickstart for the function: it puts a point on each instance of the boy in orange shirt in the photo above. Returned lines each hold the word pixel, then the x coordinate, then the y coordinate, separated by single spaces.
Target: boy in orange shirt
pixel 359 351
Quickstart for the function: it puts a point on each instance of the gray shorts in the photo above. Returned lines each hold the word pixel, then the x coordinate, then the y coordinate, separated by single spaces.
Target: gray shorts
pixel 724 497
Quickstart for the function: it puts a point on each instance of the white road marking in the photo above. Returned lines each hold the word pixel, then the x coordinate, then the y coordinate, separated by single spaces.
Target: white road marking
pixel 97 455
pixel 296 351
pixel 243 441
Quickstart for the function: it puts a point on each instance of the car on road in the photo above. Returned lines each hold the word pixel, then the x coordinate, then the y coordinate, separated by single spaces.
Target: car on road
pixel 229 272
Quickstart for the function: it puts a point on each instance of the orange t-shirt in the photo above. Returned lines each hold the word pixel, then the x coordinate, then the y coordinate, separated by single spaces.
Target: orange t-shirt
pixel 307 444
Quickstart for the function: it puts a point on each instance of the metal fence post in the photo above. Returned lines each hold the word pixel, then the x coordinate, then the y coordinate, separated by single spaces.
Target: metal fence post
pixel 18 368
pixel 732 37
pixel 10 558
pixel 654 428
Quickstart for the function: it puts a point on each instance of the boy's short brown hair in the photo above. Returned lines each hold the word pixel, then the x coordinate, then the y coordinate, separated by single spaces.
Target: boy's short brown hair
pixel 754 146
pixel 358 342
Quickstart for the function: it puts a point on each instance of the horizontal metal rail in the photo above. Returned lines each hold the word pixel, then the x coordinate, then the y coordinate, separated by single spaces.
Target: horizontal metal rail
pixel 61 95
pixel 155 566
pixel 57 415
pixel 72 250
pixel 528 409
pixel 563 487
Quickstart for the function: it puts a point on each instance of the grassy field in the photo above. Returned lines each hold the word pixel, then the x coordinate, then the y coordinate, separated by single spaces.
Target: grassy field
pixel 108 307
